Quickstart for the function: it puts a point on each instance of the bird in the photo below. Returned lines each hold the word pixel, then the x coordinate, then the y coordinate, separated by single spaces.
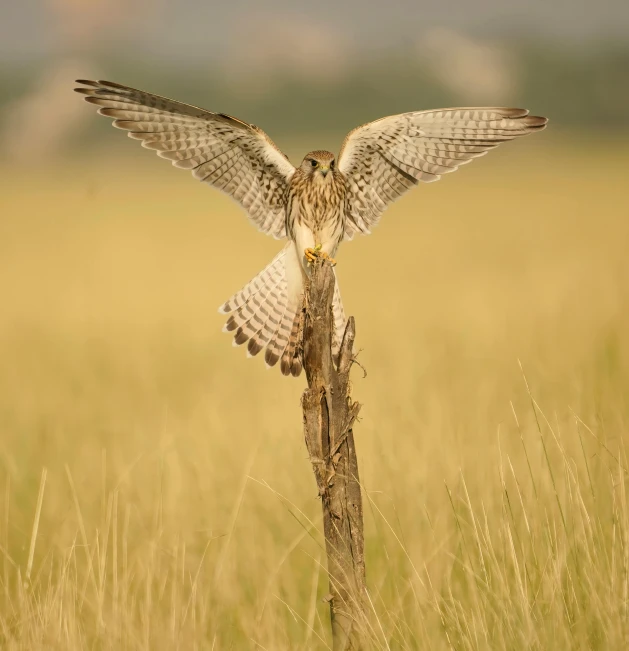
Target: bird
pixel 327 199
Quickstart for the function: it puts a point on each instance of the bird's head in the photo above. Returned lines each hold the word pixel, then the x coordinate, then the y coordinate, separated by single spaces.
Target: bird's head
pixel 318 164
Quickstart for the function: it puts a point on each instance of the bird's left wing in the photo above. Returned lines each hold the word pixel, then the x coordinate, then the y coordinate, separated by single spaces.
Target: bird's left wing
pixel 383 159
pixel 229 154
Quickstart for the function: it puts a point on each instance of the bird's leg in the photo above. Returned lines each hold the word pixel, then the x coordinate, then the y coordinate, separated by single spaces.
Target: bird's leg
pixel 312 254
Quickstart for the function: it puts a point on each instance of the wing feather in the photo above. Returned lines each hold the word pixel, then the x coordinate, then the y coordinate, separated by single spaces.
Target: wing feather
pixel 383 159
pixel 221 150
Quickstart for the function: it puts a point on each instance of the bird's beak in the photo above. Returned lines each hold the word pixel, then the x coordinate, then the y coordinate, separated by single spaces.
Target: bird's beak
pixel 324 170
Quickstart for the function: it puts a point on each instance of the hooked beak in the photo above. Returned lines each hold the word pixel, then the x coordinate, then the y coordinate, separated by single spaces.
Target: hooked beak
pixel 324 170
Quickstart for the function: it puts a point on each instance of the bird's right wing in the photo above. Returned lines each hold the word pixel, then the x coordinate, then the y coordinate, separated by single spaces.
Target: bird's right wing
pixel 383 159
pixel 231 155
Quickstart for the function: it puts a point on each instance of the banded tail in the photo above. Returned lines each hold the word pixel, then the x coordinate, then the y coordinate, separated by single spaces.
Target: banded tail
pixel 268 313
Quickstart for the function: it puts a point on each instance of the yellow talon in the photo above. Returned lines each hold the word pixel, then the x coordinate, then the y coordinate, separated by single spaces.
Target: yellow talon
pixel 325 256
pixel 312 254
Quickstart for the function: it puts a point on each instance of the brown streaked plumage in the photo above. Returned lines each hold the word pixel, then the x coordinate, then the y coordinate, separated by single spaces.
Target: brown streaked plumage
pixel 316 205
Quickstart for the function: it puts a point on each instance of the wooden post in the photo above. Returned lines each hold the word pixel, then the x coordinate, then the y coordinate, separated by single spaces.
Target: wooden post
pixel 329 414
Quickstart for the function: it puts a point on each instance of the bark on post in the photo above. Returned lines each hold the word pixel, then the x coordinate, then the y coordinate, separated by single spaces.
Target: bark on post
pixel 329 414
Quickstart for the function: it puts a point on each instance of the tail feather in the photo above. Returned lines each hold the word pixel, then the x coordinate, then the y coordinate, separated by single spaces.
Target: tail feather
pixel 272 272
pixel 262 337
pixel 258 321
pixel 339 319
pixel 276 347
pixel 291 357
pixel 264 310
pixel 267 313
pixel 250 317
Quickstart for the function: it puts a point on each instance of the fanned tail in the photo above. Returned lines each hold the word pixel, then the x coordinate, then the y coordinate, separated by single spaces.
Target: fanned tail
pixel 274 271
pixel 268 313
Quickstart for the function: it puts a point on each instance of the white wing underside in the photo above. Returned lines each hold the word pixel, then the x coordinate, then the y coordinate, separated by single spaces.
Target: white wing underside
pixel 225 152
pixel 383 159
pixel 380 160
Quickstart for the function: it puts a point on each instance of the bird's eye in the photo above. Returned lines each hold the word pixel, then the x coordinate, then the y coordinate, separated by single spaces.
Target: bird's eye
pixel 332 165
pixel 313 163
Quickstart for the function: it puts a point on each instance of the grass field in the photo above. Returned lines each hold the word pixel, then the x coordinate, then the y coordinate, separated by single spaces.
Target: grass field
pixel 144 496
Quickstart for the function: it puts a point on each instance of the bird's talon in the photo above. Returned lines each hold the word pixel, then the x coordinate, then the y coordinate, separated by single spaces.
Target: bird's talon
pixel 325 256
pixel 311 254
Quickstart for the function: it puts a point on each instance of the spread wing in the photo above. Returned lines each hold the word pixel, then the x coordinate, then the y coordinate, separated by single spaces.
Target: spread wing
pixel 383 159
pixel 231 155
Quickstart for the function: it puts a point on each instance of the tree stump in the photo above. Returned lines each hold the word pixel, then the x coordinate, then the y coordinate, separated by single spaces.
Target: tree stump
pixel 329 414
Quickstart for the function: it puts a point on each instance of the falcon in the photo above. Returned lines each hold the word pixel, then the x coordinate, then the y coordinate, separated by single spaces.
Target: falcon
pixel 315 206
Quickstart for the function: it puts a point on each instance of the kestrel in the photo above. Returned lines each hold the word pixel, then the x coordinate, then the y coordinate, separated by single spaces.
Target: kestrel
pixel 315 206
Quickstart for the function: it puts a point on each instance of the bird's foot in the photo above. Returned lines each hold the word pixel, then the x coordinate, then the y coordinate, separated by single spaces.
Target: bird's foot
pixel 315 253
pixel 311 254
pixel 325 256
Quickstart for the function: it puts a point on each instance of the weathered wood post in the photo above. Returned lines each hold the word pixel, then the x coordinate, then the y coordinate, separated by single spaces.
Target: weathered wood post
pixel 329 414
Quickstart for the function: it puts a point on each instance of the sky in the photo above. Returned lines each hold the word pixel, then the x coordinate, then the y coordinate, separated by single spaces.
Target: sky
pixel 465 44
pixel 189 30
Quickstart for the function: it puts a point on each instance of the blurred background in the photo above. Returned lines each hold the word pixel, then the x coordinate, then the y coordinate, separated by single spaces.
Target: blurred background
pixel 154 485
pixel 296 68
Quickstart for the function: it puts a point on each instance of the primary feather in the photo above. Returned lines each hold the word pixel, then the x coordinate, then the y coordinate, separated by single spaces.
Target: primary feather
pixel 383 159
pixel 229 154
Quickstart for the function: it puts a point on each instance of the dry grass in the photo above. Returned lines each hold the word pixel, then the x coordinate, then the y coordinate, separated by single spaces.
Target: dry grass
pixel 141 505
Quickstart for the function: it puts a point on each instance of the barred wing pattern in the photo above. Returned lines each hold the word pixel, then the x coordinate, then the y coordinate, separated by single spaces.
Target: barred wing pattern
pixel 229 154
pixel 383 159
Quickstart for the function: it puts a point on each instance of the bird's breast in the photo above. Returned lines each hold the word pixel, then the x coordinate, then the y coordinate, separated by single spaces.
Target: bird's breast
pixel 317 205
pixel 316 215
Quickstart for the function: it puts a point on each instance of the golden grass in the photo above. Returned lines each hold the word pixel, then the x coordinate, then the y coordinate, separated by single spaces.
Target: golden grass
pixel 154 487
